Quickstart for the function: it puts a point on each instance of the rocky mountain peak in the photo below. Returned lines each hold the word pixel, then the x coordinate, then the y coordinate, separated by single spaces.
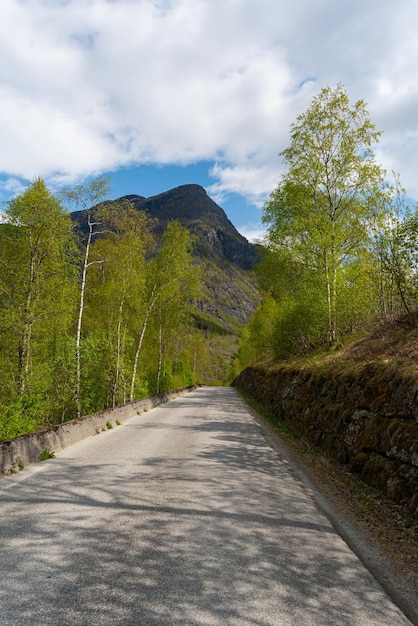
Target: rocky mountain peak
pixel 230 290
pixel 191 205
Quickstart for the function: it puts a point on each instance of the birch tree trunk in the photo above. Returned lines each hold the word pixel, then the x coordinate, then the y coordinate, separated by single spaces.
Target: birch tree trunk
pixel 80 318
pixel 137 353
pixel 160 352
pixel 118 351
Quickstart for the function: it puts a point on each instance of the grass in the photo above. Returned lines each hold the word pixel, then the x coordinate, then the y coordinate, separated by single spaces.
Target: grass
pixel 388 345
pixel 46 454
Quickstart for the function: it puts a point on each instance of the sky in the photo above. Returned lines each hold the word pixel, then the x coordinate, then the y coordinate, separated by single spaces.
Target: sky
pixel 160 93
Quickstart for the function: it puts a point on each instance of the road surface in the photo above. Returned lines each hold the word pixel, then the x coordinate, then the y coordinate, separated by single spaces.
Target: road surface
pixel 183 515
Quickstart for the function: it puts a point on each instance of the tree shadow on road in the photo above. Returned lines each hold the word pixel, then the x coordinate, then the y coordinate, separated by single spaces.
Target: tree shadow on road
pixel 220 535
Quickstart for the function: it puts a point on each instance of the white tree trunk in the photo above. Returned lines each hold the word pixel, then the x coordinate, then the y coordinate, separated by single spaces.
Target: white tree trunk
pixel 80 318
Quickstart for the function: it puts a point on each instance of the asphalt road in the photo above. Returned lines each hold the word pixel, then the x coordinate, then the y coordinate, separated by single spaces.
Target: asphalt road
pixel 183 515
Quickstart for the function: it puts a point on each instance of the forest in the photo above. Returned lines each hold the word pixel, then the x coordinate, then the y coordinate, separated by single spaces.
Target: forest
pixel 90 321
pixel 341 249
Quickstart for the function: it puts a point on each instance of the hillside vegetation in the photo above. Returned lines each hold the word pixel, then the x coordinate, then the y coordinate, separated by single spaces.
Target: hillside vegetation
pixel 342 238
pixel 350 415
pixel 229 287
pixel 115 301
pixel 341 249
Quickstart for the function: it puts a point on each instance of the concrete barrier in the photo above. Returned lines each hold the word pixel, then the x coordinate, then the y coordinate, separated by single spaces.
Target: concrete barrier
pixel 16 453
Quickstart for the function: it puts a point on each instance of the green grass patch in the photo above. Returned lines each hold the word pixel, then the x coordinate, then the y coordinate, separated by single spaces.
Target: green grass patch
pixel 46 454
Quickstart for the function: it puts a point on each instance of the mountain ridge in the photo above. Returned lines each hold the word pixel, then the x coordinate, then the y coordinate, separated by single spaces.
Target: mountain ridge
pixel 225 256
pixel 216 235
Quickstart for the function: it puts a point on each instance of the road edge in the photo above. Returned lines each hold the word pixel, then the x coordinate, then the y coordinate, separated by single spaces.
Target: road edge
pixel 377 563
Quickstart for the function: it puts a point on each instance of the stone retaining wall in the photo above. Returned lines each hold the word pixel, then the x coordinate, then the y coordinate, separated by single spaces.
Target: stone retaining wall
pixel 368 422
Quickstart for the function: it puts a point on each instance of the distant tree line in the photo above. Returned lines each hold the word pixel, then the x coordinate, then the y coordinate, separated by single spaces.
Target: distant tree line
pixel 342 242
pixel 89 322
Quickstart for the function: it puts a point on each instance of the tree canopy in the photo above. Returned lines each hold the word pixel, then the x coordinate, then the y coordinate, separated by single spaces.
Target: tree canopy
pixel 321 214
pixel 89 322
pixel 340 241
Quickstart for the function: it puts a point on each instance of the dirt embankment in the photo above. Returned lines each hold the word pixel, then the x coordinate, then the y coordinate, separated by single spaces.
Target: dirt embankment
pixel 360 406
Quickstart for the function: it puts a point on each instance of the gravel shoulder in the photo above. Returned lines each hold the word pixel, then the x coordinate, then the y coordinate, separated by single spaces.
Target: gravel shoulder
pixel 384 535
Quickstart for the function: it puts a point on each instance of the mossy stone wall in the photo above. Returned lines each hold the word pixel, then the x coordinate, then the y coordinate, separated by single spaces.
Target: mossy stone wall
pixel 367 420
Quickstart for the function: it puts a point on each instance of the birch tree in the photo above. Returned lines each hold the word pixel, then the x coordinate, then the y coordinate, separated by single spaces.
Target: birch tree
pixel 327 201
pixel 85 197
pixel 181 287
pixel 172 282
pixel 117 285
pixel 396 248
pixel 37 282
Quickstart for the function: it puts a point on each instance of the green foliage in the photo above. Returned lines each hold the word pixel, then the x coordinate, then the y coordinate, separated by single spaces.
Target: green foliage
pixel 342 243
pixel 87 194
pixel 258 337
pixel 115 299
pixel 321 214
pixel 207 322
pixel 396 246
pixel 293 314
pixel 37 287
pixel 46 454
pixel 96 374
pixel 16 420
pixel 173 283
pixel 72 328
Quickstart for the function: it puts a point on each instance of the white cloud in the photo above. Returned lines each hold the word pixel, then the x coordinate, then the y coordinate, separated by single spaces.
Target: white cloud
pixel 92 85
pixel 253 180
pixel 252 232
pixel 12 185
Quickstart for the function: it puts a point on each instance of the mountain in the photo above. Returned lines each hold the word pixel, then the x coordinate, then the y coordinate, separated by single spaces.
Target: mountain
pixel 226 257
pixel 217 238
